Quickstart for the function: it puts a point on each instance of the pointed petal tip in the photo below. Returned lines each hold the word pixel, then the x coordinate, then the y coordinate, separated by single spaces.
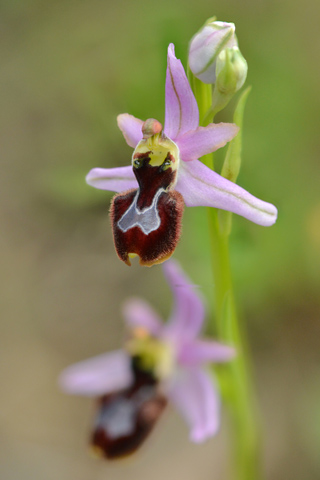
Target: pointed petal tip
pixel 171 49
pixel 236 127
pixel 88 177
pixel 266 215
pixel 201 352
pixel 197 436
pixel 273 215
pixel 200 435
pixel 92 176
pixel 229 354
pixel 224 353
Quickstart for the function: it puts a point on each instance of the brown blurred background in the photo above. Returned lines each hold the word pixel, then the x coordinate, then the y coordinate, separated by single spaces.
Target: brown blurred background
pixel 67 69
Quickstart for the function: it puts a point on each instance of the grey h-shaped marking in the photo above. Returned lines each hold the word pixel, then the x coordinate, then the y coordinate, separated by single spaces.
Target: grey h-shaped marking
pixel 147 219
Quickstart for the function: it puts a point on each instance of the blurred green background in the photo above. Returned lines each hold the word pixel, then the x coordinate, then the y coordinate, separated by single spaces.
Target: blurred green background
pixel 67 69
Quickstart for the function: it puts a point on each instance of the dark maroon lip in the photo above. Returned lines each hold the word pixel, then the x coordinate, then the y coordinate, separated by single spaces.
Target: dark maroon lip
pixel 156 246
pixel 136 409
pixel 147 221
pixel 151 180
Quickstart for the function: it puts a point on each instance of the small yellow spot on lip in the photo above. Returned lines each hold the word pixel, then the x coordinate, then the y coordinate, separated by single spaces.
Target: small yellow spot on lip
pixel 157 148
pixel 157 157
pixel 132 255
pixel 96 451
pixel 152 353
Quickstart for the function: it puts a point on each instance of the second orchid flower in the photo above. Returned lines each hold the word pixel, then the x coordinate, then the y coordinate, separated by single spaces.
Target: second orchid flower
pixel 160 362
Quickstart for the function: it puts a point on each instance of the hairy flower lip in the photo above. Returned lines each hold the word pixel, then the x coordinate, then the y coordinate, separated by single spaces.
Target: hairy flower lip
pixel 182 127
pixel 187 384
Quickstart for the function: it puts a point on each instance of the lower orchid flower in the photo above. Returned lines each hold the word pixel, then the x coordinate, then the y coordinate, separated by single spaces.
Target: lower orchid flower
pixel 160 362
pixel 166 174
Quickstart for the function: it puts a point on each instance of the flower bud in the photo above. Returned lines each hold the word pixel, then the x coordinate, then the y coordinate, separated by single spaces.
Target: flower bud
pixel 231 71
pixel 205 47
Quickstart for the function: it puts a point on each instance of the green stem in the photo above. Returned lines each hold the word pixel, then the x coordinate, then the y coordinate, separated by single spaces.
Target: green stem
pixel 236 376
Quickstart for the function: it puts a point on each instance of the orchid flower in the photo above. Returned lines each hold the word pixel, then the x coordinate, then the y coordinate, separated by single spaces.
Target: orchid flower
pixel 160 362
pixel 166 174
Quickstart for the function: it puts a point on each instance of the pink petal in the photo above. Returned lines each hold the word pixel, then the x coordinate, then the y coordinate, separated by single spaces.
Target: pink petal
pixel 182 112
pixel 100 375
pixel 188 313
pixel 199 352
pixel 138 313
pixel 131 127
pixel 200 186
pixel 195 396
pixel 113 179
pixel 203 140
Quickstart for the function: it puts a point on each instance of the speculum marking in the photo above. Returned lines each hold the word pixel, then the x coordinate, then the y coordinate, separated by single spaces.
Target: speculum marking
pixel 147 219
